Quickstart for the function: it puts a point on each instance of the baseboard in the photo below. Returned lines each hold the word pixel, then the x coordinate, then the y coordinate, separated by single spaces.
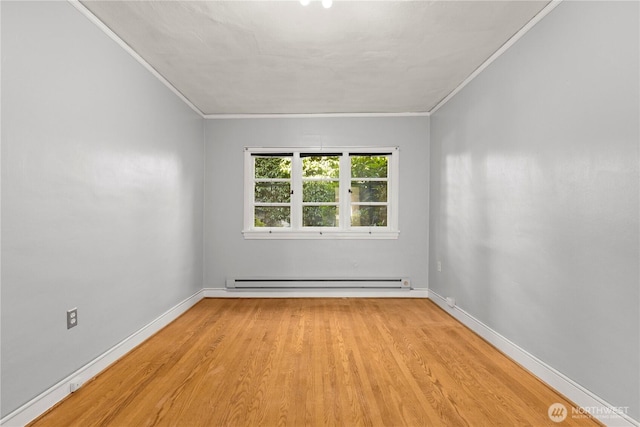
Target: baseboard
pixel 599 408
pixel 41 403
pixel 314 293
pixel 573 391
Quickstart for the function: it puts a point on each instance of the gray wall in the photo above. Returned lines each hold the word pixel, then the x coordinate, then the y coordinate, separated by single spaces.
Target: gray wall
pixel 101 196
pixel 534 196
pixel 227 254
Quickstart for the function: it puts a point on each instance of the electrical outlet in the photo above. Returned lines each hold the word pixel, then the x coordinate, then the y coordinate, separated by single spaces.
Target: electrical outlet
pixel 72 318
pixel 439 266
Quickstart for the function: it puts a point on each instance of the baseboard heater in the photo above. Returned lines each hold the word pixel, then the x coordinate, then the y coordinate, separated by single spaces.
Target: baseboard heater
pixel 319 283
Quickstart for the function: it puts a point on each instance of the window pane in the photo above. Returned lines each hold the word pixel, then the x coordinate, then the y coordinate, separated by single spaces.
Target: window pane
pixel 369 191
pixel 321 167
pixel 320 216
pixel 273 167
pixel 369 166
pixel 272 216
pixel 273 192
pixel 320 191
pixel 369 216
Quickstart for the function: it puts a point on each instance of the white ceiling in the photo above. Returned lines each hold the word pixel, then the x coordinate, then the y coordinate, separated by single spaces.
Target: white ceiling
pixel 279 57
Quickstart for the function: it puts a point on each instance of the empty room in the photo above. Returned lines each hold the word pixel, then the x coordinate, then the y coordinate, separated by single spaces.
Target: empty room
pixel 320 212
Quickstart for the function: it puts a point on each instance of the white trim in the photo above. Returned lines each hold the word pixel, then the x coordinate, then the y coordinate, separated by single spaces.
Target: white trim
pixel 564 385
pixel 295 230
pixel 89 15
pixel 394 189
pixel 555 379
pixel 323 149
pixel 286 234
pixel 47 399
pixel 101 25
pixel 517 36
pixel 315 293
pixel 113 36
pixel 313 115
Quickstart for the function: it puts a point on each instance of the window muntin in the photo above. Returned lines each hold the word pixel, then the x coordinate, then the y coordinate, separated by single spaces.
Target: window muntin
pixel 307 193
pixel 272 190
pixel 369 190
pixel 320 190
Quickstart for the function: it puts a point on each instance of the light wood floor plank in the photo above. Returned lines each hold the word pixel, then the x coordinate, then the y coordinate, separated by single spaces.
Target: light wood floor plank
pixel 314 362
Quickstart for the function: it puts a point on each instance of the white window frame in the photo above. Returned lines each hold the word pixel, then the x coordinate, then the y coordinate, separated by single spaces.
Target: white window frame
pixel 345 230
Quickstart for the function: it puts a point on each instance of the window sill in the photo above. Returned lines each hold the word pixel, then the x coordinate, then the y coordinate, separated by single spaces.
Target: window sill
pixel 319 235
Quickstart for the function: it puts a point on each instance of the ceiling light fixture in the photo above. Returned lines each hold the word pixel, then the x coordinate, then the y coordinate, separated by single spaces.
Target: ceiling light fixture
pixel 325 3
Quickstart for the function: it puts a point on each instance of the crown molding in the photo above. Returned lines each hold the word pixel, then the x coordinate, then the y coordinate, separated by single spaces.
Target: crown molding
pixel 113 36
pixel 312 115
pixel 517 36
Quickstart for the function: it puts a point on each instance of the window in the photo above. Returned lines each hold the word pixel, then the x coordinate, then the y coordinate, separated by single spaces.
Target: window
pixel 318 194
pixel 272 190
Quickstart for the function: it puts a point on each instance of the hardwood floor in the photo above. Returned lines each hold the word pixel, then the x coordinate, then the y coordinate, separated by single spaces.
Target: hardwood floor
pixel 295 362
